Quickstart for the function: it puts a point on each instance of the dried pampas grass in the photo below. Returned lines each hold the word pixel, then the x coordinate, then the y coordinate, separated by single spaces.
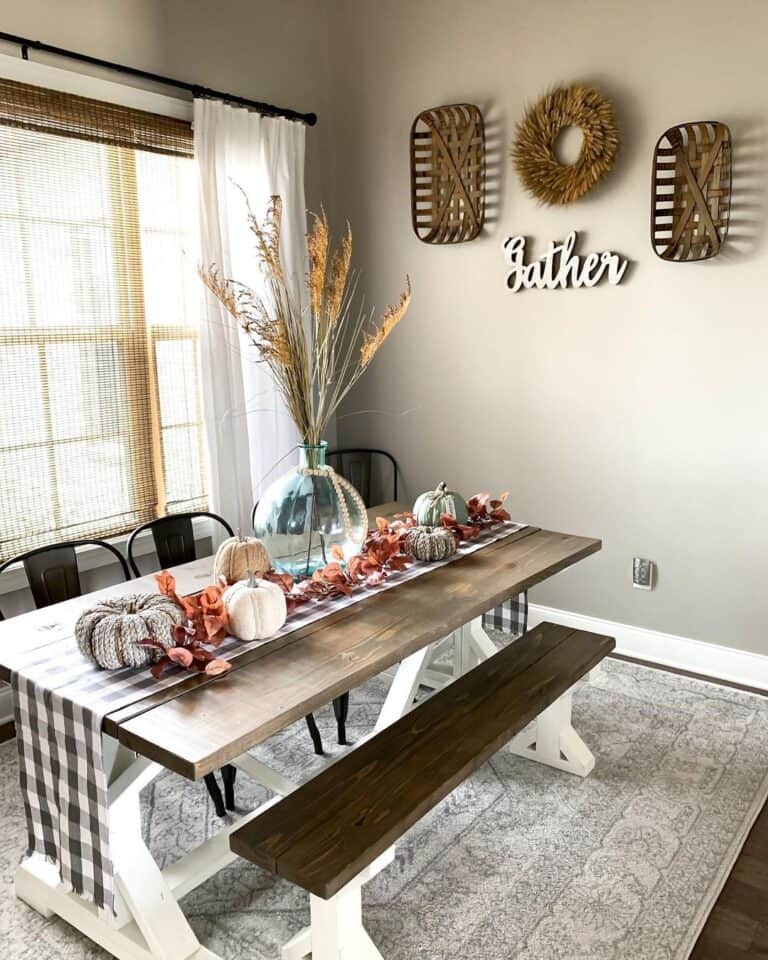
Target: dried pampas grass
pixel 533 155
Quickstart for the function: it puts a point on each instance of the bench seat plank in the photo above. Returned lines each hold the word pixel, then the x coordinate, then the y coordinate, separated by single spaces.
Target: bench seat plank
pixel 326 832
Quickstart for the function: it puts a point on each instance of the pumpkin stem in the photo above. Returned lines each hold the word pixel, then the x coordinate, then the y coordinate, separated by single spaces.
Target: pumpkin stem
pixel 251 580
pixel 440 490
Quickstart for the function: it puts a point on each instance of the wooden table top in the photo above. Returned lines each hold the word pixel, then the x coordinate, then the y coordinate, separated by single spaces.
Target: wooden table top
pixel 38 627
pixel 198 725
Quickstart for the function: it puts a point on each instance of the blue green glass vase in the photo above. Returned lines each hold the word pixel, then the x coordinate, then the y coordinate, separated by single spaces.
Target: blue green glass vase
pixel 307 512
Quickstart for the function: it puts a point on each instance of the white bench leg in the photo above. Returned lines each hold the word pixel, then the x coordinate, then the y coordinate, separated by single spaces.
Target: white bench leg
pixel 551 740
pixel 337 931
pixel 337 928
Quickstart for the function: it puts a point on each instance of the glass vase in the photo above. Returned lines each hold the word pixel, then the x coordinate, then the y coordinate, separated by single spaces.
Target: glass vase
pixel 307 512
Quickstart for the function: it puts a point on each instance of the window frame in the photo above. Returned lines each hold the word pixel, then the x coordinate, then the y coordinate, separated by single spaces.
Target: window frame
pixel 149 422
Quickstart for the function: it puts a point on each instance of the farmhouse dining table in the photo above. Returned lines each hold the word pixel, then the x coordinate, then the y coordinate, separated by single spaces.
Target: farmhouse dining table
pixel 200 724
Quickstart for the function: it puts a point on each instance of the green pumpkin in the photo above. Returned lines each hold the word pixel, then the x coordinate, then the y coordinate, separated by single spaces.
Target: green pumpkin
pixel 431 504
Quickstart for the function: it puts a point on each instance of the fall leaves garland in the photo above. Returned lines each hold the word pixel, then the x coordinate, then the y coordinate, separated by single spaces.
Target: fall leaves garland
pixel 206 625
pixel 382 554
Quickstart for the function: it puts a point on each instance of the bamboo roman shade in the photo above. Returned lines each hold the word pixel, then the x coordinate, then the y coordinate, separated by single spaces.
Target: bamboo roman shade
pixel 51 111
pixel 100 424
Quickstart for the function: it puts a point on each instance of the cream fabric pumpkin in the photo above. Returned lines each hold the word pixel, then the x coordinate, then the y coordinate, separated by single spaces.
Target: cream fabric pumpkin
pixel 238 556
pixel 109 633
pixel 256 609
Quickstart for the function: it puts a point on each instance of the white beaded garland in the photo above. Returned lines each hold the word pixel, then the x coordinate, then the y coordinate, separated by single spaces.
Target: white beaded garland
pixel 340 484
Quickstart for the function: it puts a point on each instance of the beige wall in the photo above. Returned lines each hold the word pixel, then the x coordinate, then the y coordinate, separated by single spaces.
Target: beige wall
pixel 638 413
pixel 634 413
pixel 274 51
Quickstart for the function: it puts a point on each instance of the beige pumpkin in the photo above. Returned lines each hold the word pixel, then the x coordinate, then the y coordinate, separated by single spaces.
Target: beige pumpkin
pixel 109 633
pixel 238 556
pixel 256 609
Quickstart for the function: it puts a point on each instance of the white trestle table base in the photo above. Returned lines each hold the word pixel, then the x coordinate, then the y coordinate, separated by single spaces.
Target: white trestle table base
pixel 150 924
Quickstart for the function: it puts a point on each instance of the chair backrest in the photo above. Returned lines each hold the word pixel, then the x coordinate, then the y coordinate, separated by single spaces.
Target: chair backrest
pixel 174 538
pixel 52 571
pixel 373 473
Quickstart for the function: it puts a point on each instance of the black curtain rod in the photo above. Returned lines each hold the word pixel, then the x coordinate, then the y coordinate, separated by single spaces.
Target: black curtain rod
pixel 265 109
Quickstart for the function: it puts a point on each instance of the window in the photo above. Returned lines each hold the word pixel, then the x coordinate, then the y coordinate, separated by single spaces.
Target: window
pixel 100 420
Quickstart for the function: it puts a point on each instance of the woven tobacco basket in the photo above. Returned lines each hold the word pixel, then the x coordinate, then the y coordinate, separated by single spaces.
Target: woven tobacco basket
pixel 691 191
pixel 448 173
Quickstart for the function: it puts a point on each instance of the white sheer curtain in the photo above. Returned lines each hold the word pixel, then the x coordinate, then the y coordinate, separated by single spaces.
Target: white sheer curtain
pixel 248 430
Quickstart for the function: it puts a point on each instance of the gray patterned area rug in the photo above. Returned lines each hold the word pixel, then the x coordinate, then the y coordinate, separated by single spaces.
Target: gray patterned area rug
pixel 522 861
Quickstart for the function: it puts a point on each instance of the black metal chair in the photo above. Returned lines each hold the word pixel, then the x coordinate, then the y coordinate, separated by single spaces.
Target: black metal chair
pixel 174 538
pixel 52 571
pixel 358 466
pixel 314 732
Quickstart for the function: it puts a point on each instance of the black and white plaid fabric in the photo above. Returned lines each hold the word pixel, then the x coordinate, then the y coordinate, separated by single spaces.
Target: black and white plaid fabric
pixel 60 701
pixel 64 787
pixel 509 617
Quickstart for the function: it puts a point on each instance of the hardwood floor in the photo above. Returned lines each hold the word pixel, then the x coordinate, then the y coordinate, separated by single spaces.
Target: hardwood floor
pixel 737 928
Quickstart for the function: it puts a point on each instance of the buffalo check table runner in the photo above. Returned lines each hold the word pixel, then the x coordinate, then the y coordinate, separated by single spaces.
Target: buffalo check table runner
pixel 61 700
pixel 509 617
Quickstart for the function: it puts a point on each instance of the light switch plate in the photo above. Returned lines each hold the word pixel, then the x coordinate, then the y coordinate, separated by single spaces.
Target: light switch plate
pixel 642 573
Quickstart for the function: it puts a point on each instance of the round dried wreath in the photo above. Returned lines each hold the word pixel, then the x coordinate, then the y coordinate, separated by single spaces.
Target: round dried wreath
pixel 533 153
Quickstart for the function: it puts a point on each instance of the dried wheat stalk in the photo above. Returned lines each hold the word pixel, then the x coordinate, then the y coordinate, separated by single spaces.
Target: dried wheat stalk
pixel 314 369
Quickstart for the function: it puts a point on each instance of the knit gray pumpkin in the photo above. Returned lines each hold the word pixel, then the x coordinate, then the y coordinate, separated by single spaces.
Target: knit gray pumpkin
pixel 430 543
pixel 109 633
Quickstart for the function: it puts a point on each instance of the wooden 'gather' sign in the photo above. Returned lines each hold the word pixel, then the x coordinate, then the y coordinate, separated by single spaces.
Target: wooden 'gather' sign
pixel 560 267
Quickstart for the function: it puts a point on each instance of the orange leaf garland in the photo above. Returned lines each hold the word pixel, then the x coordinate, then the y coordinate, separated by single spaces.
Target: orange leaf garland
pixel 206 622
pixel 484 510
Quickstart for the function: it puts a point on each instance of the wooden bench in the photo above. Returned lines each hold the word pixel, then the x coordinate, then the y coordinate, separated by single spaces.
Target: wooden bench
pixel 337 830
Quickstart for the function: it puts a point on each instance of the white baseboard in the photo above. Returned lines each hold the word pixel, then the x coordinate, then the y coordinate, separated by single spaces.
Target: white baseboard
pixel 6 706
pixel 707 659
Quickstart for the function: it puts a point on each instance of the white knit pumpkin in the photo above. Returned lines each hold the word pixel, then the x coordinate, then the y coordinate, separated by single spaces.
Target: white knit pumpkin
pixel 238 556
pixel 430 543
pixel 109 633
pixel 256 609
